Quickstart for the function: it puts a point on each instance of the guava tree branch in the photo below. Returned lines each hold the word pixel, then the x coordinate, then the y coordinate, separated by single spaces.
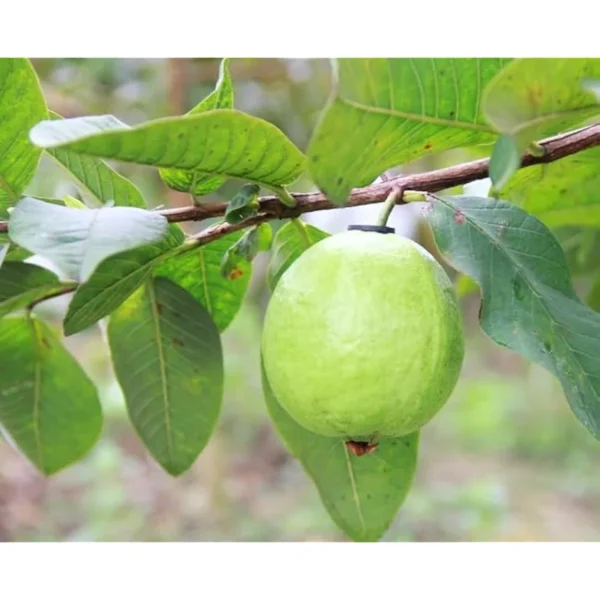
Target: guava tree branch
pixel 554 148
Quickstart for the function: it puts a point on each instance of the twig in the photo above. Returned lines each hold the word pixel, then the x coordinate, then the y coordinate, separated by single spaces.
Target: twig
pixel 270 207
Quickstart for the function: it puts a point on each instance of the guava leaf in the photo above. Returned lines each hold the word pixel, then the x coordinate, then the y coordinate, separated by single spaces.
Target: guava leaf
pixel 221 142
pixel 3 251
pixel 114 280
pixel 101 182
pixel 528 301
pixel 49 408
pixel 75 240
pixel 289 243
pixel 190 181
pixel 198 272
pixel 22 105
pixel 362 494
pixel 564 192
pixel 11 250
pixel 593 297
pixel 504 161
pixel 388 112
pixel 167 356
pixel 532 98
pixel 244 204
pixel 23 283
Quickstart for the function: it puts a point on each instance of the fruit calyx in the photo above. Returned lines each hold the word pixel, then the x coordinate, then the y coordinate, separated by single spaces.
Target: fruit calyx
pixel 361 448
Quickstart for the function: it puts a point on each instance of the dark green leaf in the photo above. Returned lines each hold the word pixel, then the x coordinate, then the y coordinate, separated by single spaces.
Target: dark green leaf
pixel 218 142
pixel 192 181
pixel 362 494
pixel 198 271
pixel 49 408
pixel 289 243
pixel 532 98
pixel 22 105
pixel 505 160
pixel 22 283
pixel 167 357
pixel 114 280
pixel 244 204
pixel 99 180
pixel 387 112
pixel 564 192
pixel 78 240
pixel 528 301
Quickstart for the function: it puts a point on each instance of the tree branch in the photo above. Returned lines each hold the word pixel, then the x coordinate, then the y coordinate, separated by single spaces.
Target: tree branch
pixel 555 148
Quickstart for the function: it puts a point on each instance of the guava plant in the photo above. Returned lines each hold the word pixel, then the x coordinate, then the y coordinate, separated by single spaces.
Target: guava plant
pixel 363 340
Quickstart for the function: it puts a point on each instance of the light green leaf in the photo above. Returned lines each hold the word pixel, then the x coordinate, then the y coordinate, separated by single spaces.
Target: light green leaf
pixel 23 283
pixel 564 192
pixel 593 297
pixel 198 272
pixel 114 280
pixel 505 160
pixel 528 301
pixel 388 112
pixel 22 105
pixel 12 251
pixel 289 243
pixel 532 98
pixel 218 142
pixel 100 181
pixel 168 360
pixel 78 240
pixel 362 494
pixel 191 181
pixel 465 286
pixel 49 408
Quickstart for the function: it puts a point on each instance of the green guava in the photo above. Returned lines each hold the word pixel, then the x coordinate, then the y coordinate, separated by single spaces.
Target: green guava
pixel 363 337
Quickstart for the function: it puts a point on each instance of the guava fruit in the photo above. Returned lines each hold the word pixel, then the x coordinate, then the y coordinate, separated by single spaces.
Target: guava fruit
pixel 363 337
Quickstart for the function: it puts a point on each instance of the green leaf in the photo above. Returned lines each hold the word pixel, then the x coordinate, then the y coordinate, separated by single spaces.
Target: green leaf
pixel 3 251
pixel 564 192
pixel 362 494
pixel 593 297
pixel 49 408
pixel 528 301
pixel 71 202
pixel 114 280
pixel 198 272
pixel 388 112
pixel 505 160
pixel 244 204
pixel 532 98
pixel 23 283
pixel 100 181
pixel 289 243
pixel 167 357
pixel 192 181
pixel 78 240
pixel 465 286
pixel 22 105
pixel 12 251
pixel 218 142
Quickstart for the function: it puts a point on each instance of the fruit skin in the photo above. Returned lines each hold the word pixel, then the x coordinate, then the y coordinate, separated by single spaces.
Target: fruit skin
pixel 363 337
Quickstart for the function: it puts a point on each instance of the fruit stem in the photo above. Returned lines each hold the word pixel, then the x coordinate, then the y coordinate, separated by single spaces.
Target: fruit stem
pixel 388 206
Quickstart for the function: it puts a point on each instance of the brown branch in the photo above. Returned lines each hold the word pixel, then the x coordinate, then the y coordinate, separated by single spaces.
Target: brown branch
pixel 555 148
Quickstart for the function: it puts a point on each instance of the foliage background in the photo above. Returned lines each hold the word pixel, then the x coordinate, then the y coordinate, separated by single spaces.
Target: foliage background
pixel 504 460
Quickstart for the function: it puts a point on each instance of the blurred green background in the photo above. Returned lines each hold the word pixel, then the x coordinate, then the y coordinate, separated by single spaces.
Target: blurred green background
pixel 504 460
